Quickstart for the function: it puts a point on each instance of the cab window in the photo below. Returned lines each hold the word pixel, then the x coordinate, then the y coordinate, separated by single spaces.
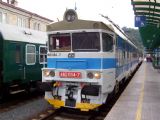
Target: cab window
pixel 42 54
pixel 59 43
pixel 107 42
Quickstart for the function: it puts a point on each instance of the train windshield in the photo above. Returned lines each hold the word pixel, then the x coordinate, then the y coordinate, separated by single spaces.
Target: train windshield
pixel 60 42
pixel 81 42
pixel 86 42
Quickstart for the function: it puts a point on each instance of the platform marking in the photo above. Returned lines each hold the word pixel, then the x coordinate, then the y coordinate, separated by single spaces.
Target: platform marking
pixel 140 102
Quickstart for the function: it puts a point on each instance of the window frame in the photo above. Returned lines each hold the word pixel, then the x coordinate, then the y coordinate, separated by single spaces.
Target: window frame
pixel 87 50
pixel 18 54
pixel 111 35
pixel 1 17
pixel 30 53
pixel 44 62
pixel 59 35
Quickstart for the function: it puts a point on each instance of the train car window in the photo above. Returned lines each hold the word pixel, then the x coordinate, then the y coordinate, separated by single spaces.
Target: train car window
pixel 42 54
pixel 18 54
pixel 86 42
pixel 60 42
pixel 30 54
pixel 107 42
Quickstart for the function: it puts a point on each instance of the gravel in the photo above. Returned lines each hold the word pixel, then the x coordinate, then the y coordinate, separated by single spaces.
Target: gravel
pixel 23 112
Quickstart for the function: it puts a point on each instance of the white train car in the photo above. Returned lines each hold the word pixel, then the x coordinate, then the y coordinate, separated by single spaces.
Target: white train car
pixel 86 61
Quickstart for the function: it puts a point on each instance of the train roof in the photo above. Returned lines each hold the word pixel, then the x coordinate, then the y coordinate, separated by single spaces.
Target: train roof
pixel 71 22
pixel 78 24
pixel 85 24
pixel 14 33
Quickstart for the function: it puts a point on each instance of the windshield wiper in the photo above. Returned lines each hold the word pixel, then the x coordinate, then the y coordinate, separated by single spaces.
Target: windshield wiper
pixel 85 49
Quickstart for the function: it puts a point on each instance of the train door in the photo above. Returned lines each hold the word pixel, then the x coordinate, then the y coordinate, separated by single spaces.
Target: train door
pixel 109 61
pixel 15 62
pixel 31 62
pixel 19 60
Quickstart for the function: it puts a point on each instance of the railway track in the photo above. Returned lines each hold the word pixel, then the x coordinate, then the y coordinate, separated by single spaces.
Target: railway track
pixel 72 114
pixel 13 101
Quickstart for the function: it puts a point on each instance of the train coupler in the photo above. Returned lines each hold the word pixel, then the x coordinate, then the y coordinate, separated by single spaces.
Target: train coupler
pixel 85 100
pixel 57 97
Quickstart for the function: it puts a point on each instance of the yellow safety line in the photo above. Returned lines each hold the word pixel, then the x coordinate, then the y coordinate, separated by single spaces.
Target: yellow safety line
pixel 140 102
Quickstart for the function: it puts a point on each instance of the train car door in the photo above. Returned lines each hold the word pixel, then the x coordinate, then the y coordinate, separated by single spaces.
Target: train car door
pixel 32 64
pixel 19 61
pixel 109 61
pixel 15 64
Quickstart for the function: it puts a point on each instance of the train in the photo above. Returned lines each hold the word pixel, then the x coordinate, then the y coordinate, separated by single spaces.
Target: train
pixel 86 62
pixel 155 58
pixel 22 55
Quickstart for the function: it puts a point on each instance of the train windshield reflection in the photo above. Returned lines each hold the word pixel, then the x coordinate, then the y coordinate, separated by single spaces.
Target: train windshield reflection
pixel 86 41
pixel 81 42
pixel 60 42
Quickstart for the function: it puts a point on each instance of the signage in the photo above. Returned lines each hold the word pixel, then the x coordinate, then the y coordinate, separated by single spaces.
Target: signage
pixel 140 21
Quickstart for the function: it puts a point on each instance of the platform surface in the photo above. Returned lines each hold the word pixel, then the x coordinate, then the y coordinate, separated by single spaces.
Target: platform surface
pixel 141 98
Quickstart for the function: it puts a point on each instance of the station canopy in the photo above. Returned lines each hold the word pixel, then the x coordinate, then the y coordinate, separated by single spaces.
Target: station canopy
pixel 147 18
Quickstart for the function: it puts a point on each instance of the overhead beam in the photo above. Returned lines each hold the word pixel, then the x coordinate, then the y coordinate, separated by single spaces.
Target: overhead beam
pixel 146 9
pixel 146 3
pixel 146 13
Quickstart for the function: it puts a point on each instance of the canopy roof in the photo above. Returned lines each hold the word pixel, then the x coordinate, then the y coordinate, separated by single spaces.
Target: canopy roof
pixel 150 32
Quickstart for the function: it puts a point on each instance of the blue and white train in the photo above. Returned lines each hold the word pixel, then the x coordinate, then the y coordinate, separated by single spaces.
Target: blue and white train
pixel 86 61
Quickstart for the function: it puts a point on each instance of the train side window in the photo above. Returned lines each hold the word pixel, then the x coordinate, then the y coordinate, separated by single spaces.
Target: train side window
pixel 42 54
pixel 18 54
pixel 107 42
pixel 30 54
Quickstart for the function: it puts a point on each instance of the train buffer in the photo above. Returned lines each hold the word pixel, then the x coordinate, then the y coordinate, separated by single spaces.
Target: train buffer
pixel 140 99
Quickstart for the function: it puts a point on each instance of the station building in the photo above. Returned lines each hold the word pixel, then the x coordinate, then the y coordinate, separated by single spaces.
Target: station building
pixel 11 14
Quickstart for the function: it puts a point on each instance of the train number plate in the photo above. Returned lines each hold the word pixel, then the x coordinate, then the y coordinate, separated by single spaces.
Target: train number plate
pixel 70 74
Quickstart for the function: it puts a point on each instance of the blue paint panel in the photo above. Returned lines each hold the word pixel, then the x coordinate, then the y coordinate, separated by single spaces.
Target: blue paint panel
pixel 71 64
pixel 109 63
pixel 120 43
pixel 81 63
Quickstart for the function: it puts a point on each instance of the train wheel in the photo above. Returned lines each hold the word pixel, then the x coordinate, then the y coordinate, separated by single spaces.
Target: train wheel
pixel 28 88
pixel 109 97
pixel 1 97
pixel 116 88
pixel 4 93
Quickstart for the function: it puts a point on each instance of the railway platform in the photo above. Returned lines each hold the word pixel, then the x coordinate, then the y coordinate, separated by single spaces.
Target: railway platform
pixel 141 98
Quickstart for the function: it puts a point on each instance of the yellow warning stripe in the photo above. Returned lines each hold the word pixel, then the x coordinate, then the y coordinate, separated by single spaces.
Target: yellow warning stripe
pixel 140 101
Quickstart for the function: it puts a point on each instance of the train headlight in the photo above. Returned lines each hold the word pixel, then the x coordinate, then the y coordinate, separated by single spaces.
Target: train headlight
pixel 52 73
pixel 70 15
pixel 90 75
pixel 97 75
pixel 46 73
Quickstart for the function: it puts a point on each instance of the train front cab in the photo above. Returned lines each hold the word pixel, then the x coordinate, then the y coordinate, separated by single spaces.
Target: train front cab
pixel 80 76
pixel 84 64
